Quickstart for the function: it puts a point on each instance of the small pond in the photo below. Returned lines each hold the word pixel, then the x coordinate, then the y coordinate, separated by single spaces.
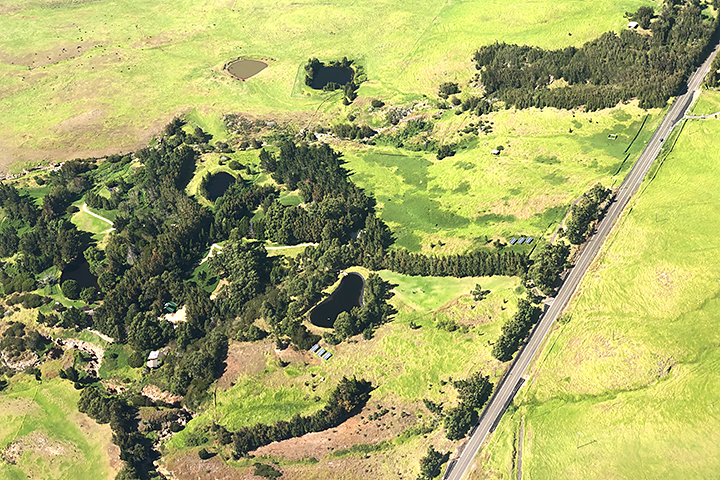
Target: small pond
pixel 326 75
pixel 80 272
pixel 218 184
pixel 244 69
pixel 346 296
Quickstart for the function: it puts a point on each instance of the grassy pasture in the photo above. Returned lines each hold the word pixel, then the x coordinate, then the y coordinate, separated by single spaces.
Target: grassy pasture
pixel 405 365
pixel 525 190
pixel 628 387
pixel 55 440
pixel 97 77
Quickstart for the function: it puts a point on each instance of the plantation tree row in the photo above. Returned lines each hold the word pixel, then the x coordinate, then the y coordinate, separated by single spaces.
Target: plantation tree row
pixel 603 72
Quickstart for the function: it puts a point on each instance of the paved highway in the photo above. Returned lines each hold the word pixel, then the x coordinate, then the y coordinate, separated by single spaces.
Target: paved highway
pixel 513 379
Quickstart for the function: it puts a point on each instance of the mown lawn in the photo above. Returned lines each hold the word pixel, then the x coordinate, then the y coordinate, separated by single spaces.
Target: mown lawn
pixel 629 387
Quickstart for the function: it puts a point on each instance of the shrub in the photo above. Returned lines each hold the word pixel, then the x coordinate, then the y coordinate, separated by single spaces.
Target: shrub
pixel 71 289
pixel 448 88
pixel 234 165
pixel 267 471
pixel 136 360
pixel 377 103
pixel 204 454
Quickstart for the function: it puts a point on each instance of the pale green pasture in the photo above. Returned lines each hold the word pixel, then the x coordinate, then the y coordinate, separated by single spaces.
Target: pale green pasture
pixel 57 442
pixel 404 365
pixel 525 190
pixel 141 62
pixel 633 378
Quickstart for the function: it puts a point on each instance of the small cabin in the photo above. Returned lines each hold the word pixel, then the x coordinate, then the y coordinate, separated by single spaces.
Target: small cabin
pixel 633 25
pixel 495 151
pixel 153 360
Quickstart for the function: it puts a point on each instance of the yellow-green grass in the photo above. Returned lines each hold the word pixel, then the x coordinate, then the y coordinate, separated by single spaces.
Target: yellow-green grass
pixel 526 190
pixel 708 103
pixel 633 378
pixel 404 365
pixel 141 62
pixel 57 441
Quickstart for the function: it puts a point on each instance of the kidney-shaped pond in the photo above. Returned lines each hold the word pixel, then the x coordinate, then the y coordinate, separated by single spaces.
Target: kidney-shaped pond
pixel 218 184
pixel 346 296
pixel 244 69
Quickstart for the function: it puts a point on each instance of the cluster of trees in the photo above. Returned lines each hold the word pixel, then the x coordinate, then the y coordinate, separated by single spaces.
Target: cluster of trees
pixel 585 212
pixel 336 206
pixel 16 340
pixel 611 69
pixel 515 330
pixel 713 77
pixel 374 312
pixel 476 263
pixel 431 464
pixel 351 131
pixel 349 396
pixel 135 448
pixel 548 265
pixel 473 394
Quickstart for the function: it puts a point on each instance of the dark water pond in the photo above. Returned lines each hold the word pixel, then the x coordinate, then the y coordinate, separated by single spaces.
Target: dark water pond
pixel 346 296
pixel 218 184
pixel 244 69
pixel 326 75
pixel 80 272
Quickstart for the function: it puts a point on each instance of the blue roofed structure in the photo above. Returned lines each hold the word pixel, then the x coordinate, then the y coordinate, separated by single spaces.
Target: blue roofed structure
pixel 327 355
pixel 314 347
pixel 320 352
pixel 528 240
pixel 521 240
pixel 512 241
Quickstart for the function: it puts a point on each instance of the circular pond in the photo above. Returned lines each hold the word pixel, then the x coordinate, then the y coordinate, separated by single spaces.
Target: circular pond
pixel 327 75
pixel 244 69
pixel 346 296
pixel 218 184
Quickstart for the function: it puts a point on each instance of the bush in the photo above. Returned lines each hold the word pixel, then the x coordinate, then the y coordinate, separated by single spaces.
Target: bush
pixel 267 471
pixel 71 289
pixel 204 454
pixel 234 165
pixel 448 88
pixel 88 295
pixel 377 103
pixel 136 360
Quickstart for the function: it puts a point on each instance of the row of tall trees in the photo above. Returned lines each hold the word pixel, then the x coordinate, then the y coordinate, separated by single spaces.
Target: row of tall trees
pixel 348 397
pixel 611 69
pixel 515 330
pixel 585 212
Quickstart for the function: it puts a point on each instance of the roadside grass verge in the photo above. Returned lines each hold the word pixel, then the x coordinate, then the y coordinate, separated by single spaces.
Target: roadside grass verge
pixel 629 386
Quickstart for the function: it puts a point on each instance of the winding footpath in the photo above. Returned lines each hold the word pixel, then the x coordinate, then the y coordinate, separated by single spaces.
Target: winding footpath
pixel 85 209
pixel 513 379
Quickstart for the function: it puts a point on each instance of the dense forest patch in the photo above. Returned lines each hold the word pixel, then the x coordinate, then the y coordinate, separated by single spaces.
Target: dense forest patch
pixel 614 68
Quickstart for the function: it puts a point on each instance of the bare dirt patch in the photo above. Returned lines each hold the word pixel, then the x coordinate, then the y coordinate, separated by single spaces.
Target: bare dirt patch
pixel 245 359
pixel 59 53
pixel 154 393
pixel 39 443
pixel 356 430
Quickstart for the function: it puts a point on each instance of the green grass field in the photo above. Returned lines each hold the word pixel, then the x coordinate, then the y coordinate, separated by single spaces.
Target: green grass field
pixel 52 438
pixel 629 387
pixel 405 365
pixel 99 77
pixel 526 190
